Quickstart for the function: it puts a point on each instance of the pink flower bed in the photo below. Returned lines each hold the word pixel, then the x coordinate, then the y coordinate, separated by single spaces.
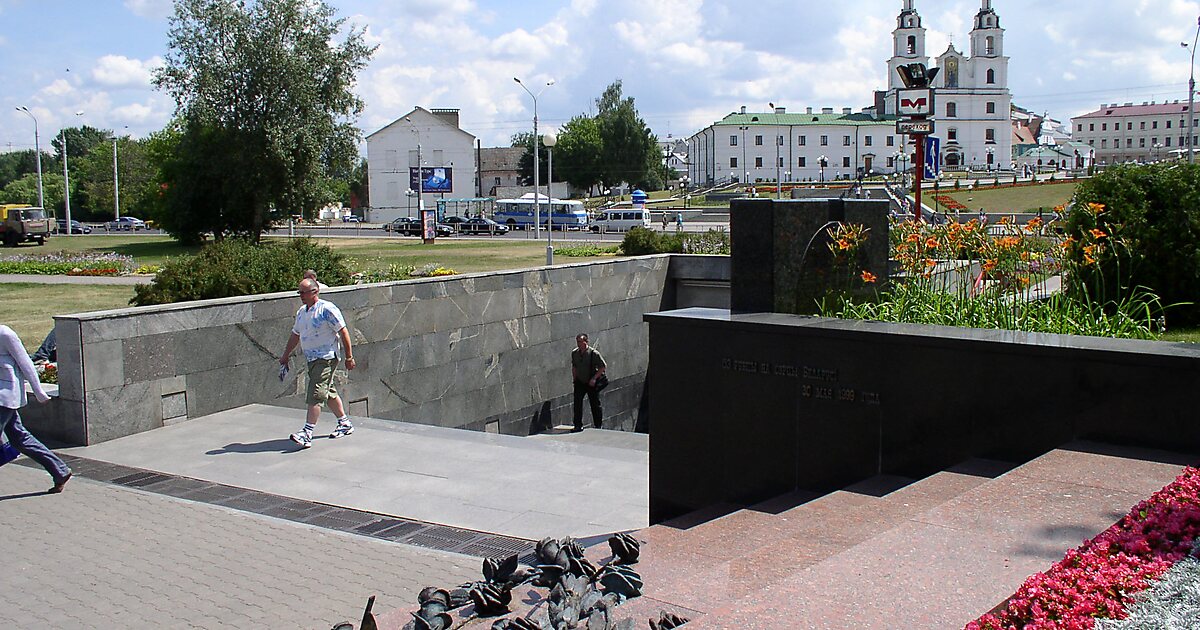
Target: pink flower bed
pixel 1096 580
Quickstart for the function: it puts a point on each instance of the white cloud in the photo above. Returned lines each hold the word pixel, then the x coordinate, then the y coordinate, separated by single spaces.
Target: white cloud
pixel 150 9
pixel 58 88
pixel 116 71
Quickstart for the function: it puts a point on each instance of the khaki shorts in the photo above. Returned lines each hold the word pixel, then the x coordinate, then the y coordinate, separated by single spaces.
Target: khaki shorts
pixel 320 381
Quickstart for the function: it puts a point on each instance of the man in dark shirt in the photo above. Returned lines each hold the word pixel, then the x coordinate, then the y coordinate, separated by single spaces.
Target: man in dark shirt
pixel 586 366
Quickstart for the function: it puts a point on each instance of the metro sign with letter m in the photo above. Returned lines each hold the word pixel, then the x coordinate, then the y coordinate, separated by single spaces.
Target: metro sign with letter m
pixel 914 102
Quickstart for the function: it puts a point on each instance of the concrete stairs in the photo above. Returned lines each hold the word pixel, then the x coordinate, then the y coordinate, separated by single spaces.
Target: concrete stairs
pixel 892 552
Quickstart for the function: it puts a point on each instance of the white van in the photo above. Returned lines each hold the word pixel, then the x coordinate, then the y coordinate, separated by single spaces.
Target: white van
pixel 621 220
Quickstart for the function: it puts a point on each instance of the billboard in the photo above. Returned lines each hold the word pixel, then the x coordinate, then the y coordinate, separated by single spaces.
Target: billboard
pixel 434 179
pixel 933 157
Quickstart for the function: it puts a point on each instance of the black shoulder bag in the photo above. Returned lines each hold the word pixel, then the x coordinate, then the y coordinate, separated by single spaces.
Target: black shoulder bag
pixel 602 380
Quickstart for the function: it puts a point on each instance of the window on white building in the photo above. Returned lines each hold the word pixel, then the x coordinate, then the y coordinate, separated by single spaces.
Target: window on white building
pixel 1167 141
pixel 802 163
pixel 757 162
pixel 803 140
pixel 991 107
pixel 989 135
pixel 912 45
pixel 891 141
pixel 952 134
pixel 991 76
pixel 732 141
pixel 846 162
pixel 758 141
pixel 951 110
pixel 845 141
pixel 1103 144
pixel 824 141
pixel 780 161
pixel 732 162
pixel 779 141
pixel 867 141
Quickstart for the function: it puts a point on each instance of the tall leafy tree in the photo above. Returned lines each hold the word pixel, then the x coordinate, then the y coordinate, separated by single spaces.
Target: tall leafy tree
pixel 264 90
pixel 628 144
pixel 135 176
pixel 578 156
pixel 80 141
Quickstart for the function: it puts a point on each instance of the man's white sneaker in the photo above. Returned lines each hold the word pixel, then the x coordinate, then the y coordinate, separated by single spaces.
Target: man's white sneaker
pixel 302 438
pixel 343 429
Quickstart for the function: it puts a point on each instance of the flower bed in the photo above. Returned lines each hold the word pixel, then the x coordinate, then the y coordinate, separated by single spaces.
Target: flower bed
pixel 68 263
pixel 1099 579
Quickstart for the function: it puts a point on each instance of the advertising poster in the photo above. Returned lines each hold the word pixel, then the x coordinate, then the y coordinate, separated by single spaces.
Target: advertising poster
pixel 429 224
pixel 434 179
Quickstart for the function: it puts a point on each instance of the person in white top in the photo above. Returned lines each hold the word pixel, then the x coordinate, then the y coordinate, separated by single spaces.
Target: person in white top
pixel 16 369
pixel 318 328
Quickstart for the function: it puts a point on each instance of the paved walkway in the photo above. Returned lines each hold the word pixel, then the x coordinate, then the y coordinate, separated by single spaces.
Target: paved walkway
pixel 104 556
pixel 502 484
pixel 6 278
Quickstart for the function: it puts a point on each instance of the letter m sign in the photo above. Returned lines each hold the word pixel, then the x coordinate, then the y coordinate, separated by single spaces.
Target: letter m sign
pixel 915 102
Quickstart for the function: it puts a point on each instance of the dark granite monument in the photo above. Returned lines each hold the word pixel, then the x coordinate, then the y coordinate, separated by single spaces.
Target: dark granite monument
pixel 749 403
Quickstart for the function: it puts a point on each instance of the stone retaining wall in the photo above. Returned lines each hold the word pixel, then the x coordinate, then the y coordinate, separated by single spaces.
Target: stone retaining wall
pixel 482 351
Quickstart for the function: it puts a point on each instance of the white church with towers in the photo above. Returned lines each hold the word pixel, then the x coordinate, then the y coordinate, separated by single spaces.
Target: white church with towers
pixel 972 119
pixel 972 101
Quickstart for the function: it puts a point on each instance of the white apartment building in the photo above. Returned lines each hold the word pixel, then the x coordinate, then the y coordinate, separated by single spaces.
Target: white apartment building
pixel 1136 133
pixel 972 118
pixel 392 161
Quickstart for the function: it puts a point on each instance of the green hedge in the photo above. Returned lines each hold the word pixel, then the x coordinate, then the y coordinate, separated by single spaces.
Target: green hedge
pixel 641 241
pixel 235 267
pixel 1150 223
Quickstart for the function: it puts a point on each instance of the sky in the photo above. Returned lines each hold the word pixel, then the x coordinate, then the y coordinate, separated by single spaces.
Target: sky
pixel 687 63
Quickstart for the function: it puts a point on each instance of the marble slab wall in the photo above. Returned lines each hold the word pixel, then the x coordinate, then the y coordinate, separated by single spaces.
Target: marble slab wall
pixel 485 351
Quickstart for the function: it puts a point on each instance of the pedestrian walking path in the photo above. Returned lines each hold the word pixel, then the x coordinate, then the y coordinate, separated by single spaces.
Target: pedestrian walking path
pixel 106 556
pixel 501 484
pixel 7 278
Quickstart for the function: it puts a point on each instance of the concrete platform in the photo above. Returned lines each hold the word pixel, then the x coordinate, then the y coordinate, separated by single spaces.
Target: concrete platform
pixel 514 486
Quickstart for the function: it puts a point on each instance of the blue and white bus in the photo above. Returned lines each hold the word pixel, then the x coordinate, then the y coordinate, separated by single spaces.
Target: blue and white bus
pixel 520 213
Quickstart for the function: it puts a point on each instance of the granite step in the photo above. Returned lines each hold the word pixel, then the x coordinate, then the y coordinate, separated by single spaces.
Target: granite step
pixel 949 563
pixel 723 559
pixel 596 437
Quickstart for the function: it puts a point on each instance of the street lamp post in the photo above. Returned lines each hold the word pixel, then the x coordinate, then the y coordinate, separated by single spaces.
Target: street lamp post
pixel 537 201
pixel 991 156
pixel 1192 94
pixel 550 140
pixel 421 187
pixel 37 152
pixel 745 167
pixel 67 179
pixel 821 162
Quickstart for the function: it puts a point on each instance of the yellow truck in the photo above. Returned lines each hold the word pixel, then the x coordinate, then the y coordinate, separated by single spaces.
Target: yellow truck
pixel 23 223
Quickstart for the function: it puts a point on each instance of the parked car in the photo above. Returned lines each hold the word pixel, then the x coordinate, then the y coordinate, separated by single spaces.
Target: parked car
pixel 350 218
pixel 455 222
pixel 620 220
pixel 130 224
pixel 76 227
pixel 411 226
pixel 481 225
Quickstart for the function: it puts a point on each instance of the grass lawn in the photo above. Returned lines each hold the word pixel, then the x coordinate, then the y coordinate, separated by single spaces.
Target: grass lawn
pixel 29 308
pixel 1186 335
pixel 464 256
pixel 1008 200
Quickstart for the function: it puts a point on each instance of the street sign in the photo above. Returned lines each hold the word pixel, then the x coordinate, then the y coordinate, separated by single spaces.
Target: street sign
pixel 933 155
pixel 914 127
pixel 914 102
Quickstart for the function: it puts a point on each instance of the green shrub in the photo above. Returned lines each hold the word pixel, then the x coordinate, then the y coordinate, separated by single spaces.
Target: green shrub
pixel 710 242
pixel 640 241
pixel 234 267
pixel 1138 226
pixel 584 251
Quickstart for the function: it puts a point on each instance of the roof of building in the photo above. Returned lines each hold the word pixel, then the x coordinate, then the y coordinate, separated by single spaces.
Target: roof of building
pixel 1044 150
pixel 773 119
pixel 447 117
pixel 1129 109
pixel 500 158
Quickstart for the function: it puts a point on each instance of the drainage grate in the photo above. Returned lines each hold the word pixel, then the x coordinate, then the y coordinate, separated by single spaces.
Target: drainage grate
pixel 405 531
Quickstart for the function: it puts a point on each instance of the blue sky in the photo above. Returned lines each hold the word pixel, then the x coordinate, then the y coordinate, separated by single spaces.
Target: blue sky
pixel 686 62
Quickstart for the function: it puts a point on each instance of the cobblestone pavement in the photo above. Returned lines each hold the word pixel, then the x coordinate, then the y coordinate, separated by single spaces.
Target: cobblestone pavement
pixel 104 556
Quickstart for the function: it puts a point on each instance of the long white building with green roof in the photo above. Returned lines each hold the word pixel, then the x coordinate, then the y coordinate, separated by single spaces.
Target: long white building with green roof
pixel 972 107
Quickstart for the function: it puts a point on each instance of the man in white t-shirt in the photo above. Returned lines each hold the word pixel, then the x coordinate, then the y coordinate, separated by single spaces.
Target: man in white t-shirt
pixel 318 328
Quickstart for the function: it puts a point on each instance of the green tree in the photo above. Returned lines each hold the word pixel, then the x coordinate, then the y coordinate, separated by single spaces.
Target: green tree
pixel 24 190
pixel 80 142
pixel 265 92
pixel 628 145
pixel 92 175
pixel 578 156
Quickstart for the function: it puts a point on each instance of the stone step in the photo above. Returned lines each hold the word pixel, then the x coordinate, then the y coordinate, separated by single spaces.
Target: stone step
pixel 721 560
pixel 949 563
